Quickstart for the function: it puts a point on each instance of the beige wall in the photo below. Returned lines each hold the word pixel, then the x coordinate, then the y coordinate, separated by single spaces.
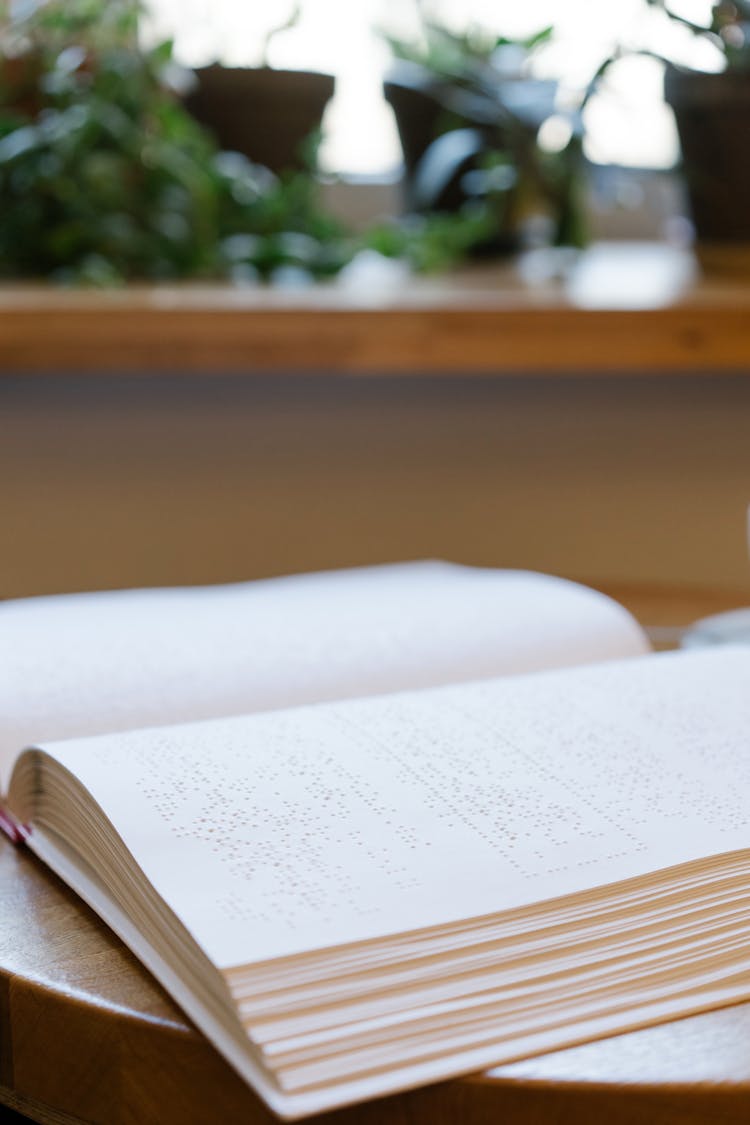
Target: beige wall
pixel 158 481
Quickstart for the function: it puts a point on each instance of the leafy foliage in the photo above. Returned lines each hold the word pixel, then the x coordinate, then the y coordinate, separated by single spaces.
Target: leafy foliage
pixel 433 242
pixel 460 56
pixel 105 177
pixel 481 80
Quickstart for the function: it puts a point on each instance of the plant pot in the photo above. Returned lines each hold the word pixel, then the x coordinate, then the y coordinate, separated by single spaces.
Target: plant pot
pixel 20 78
pixel 711 112
pixel 447 131
pixel 264 113
pixel 418 108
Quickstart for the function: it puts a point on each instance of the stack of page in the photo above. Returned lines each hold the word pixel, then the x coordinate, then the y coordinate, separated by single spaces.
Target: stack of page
pixel 408 882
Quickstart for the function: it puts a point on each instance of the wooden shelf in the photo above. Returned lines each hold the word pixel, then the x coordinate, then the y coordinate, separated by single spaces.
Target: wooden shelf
pixel 620 308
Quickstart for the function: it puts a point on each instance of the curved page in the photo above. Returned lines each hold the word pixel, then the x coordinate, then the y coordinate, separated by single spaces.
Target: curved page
pixel 91 663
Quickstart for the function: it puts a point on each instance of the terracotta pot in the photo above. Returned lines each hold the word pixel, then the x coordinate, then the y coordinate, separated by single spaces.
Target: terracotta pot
pixel 20 79
pixel 712 112
pixel 264 113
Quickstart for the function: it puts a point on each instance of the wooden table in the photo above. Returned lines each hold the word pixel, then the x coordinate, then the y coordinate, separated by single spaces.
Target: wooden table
pixel 620 307
pixel 87 1036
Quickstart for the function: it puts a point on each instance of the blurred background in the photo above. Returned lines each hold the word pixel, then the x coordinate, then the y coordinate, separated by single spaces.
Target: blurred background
pixel 628 123
pixel 372 148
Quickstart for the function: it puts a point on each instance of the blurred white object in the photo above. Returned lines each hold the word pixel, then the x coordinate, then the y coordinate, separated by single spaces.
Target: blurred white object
pixel 731 628
pixel 369 270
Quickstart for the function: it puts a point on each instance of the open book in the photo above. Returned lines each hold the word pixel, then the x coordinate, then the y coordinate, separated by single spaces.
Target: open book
pixel 427 853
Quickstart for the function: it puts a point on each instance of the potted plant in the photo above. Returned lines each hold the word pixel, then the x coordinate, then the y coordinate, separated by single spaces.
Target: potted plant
pixel 468 113
pixel 265 113
pixel 105 177
pixel 711 113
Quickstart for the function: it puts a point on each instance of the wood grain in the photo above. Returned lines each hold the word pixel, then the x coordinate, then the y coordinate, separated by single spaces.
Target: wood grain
pixel 630 308
pixel 86 1035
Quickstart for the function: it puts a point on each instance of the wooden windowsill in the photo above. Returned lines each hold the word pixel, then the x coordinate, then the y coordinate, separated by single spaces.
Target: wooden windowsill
pixel 621 308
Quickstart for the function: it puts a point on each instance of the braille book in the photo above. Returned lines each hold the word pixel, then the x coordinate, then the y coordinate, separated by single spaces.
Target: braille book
pixel 373 829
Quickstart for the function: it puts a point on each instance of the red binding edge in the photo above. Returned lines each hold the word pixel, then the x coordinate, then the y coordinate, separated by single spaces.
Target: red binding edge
pixel 16 833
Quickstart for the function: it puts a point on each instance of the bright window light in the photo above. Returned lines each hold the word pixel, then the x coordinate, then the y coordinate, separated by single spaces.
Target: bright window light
pixel 627 122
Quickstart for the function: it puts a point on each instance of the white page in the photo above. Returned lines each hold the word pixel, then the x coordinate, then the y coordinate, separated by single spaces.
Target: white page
pixel 273 834
pixel 90 663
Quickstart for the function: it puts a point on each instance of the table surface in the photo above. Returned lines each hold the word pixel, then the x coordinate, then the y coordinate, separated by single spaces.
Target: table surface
pixel 86 1035
pixel 617 308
